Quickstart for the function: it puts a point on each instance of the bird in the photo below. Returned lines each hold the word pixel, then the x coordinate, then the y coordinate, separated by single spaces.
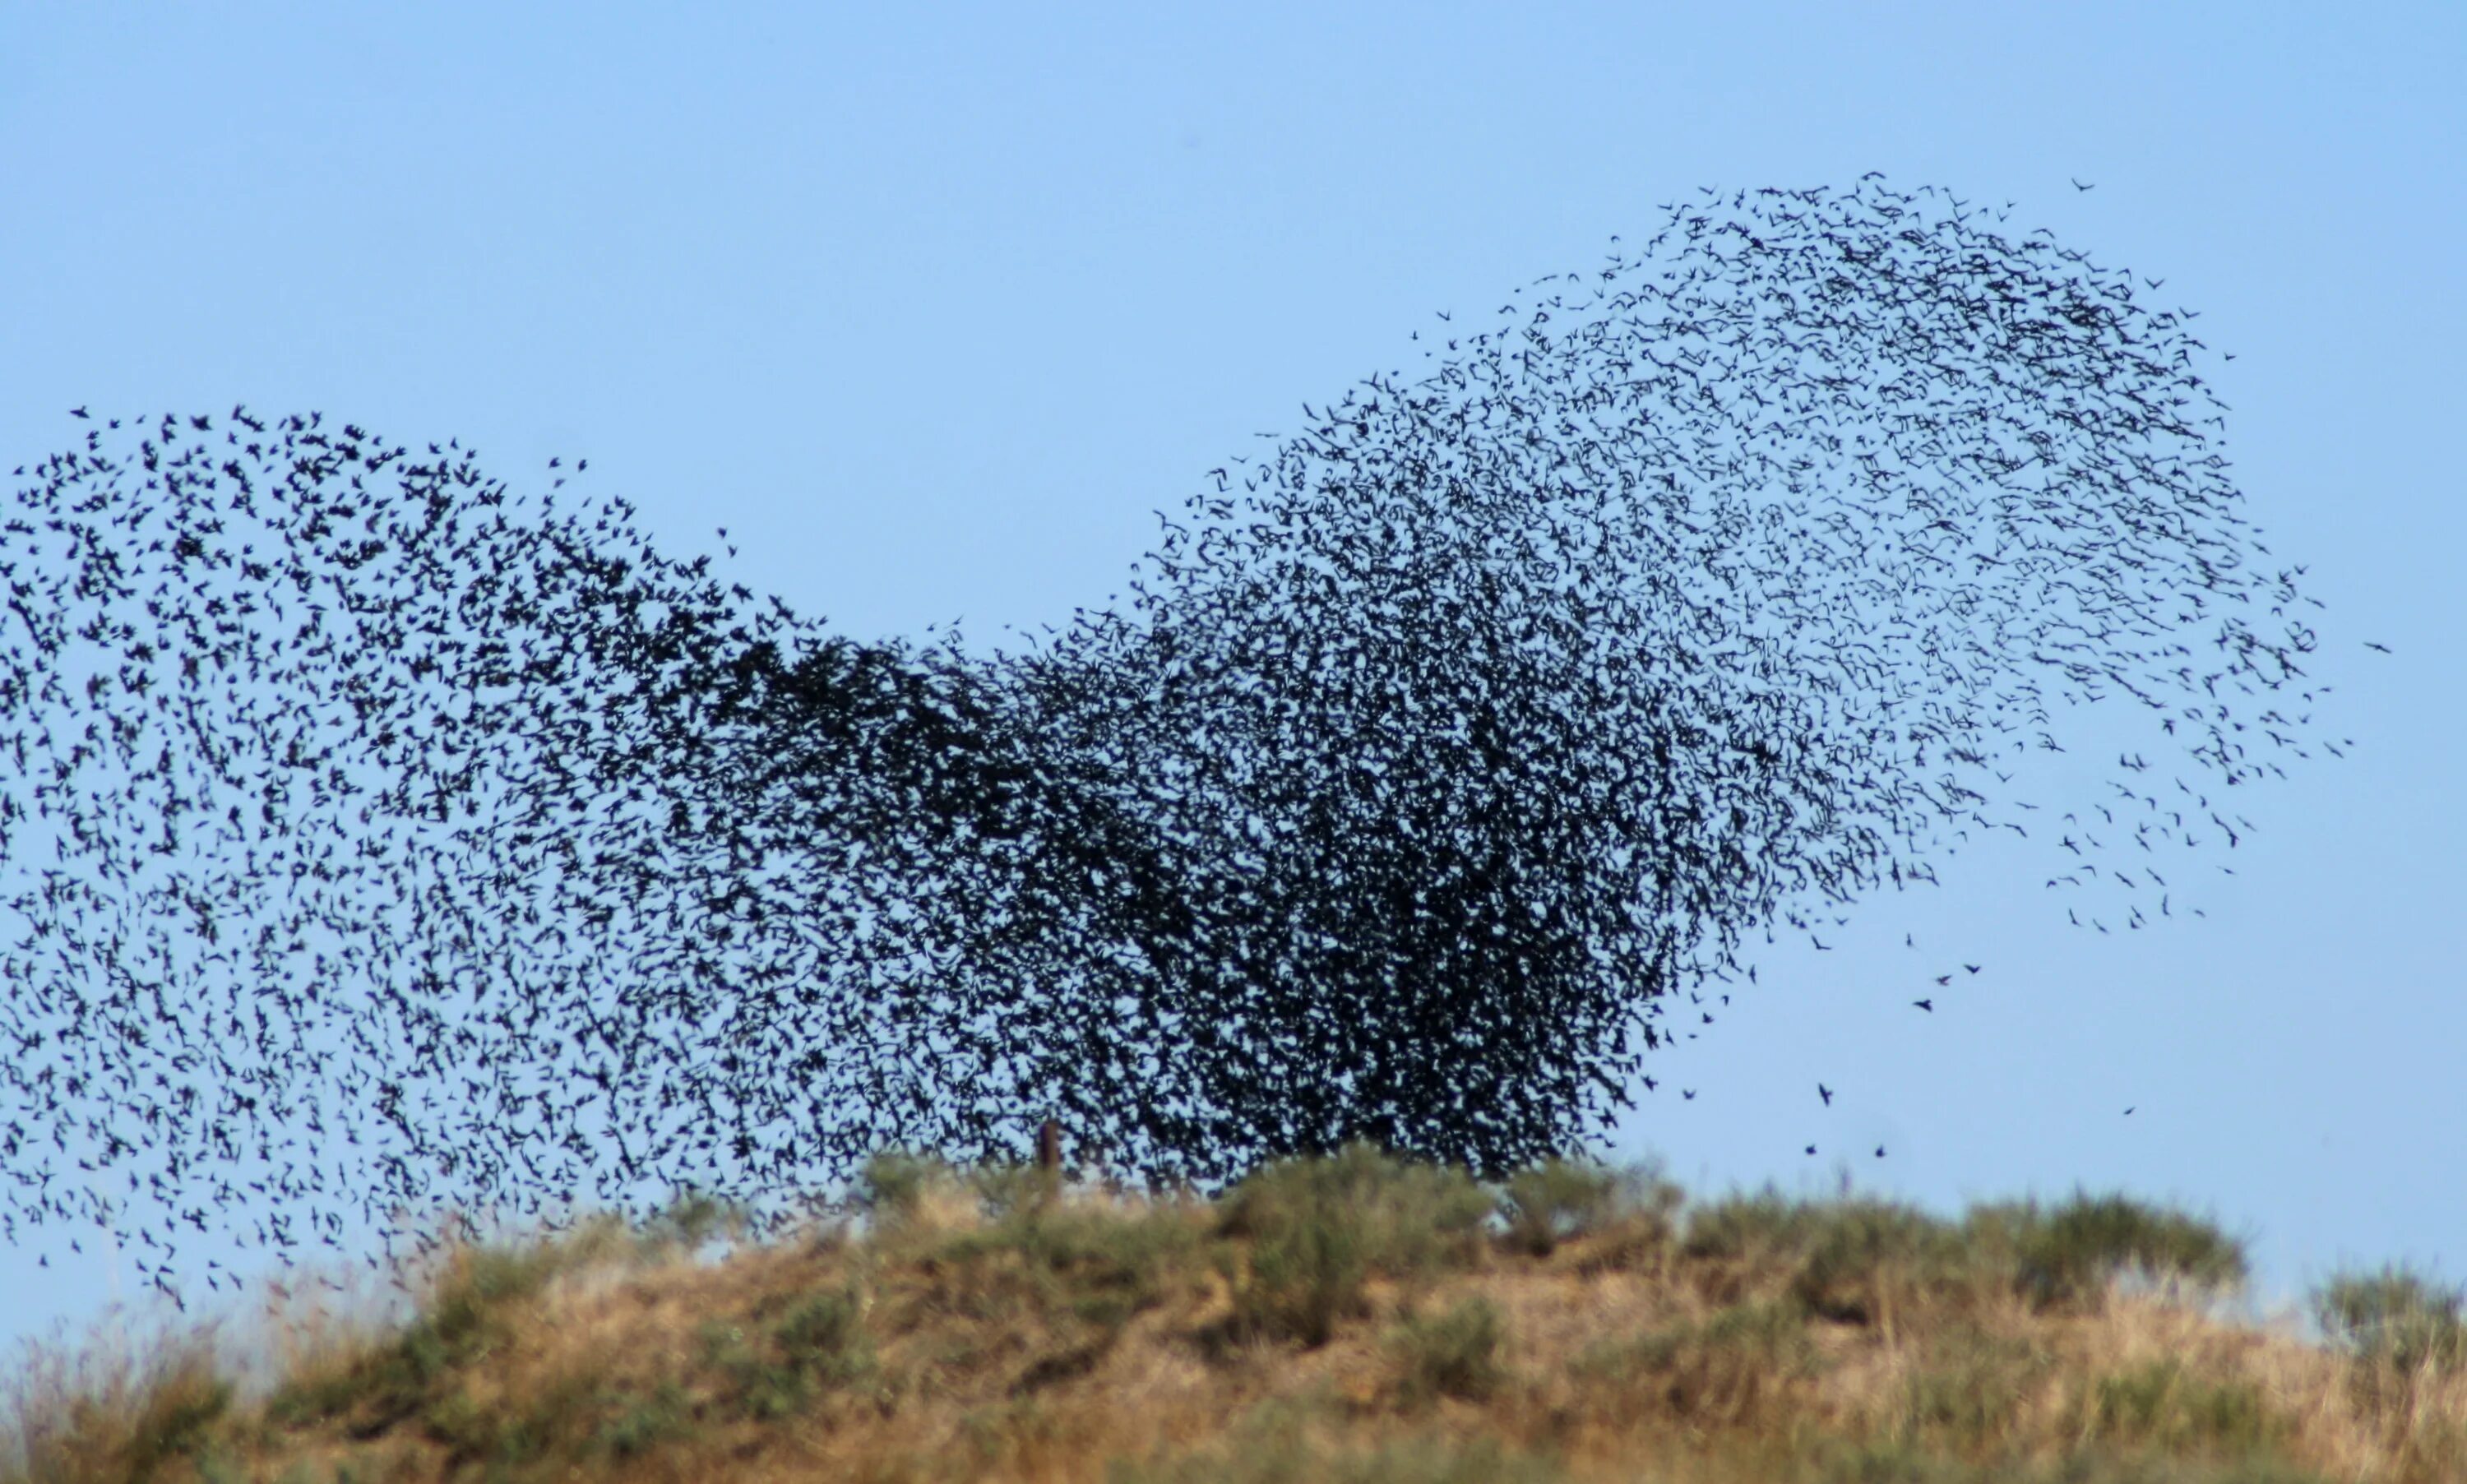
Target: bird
pixel 1826 1093
pixel 76 412
pixel 1811 1149
pixel 1880 1151
pixel 1972 967
pixel 2384 648
pixel 2078 186
pixel 1928 1005
pixel 1944 978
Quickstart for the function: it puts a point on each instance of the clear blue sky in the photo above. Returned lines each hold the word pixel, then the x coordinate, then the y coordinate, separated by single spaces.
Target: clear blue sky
pixel 933 307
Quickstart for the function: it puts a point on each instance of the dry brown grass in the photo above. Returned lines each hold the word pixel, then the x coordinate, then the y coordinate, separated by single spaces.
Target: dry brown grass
pixel 1348 1318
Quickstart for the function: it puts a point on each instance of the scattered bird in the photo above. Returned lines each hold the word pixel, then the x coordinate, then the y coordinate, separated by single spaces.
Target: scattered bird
pixel 1972 967
pixel 2078 186
pixel 1826 1093
pixel 1880 1151
pixel 2384 648
pixel 1928 1005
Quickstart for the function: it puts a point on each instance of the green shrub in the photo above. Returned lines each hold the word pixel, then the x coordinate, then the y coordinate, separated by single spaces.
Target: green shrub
pixel 1014 1189
pixel 2065 1257
pixel 1725 1369
pixel 2161 1406
pixel 665 1416
pixel 1548 1203
pixel 1746 1228
pixel 894 1182
pixel 1864 1262
pixel 1972 1384
pixel 1454 1354
pixel 2394 1317
pixel 820 1344
pixel 1318 1228
pixel 2398 1329
pixel 689 1220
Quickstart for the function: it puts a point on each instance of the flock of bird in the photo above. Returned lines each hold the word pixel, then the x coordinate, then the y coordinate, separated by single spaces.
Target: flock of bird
pixel 1696 593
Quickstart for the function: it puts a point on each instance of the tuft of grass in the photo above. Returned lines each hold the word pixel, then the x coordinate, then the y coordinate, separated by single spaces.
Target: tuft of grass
pixel 1968 1389
pixel 2161 1406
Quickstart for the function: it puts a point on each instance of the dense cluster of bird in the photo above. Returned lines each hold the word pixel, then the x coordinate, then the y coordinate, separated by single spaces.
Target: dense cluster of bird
pixel 1441 742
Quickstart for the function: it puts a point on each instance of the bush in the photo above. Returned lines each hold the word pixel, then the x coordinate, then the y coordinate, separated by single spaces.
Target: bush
pixel 821 1344
pixel 1728 1370
pixel 1318 1228
pixel 904 1192
pixel 2394 1317
pixel 1455 1353
pixel 689 1220
pixel 2065 1257
pixel 1866 1262
pixel 1743 1228
pixel 1558 1199
pixel 2398 1330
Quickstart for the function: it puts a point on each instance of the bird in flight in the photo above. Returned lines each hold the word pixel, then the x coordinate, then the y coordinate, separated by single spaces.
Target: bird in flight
pixel 2078 186
pixel 1929 1005
pixel 1825 1092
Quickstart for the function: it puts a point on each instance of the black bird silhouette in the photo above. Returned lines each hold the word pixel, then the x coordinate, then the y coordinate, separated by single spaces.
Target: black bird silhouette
pixel 2078 186
pixel 1929 1005
pixel 1880 1151
pixel 2384 648
pixel 1944 978
pixel 1448 737
pixel 1972 967
pixel 1826 1093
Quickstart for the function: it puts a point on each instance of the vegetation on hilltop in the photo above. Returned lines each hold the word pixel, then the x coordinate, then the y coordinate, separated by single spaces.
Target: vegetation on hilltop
pixel 1353 1318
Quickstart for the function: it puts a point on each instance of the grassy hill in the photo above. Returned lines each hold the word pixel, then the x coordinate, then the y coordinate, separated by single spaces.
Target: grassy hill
pixel 1351 1318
